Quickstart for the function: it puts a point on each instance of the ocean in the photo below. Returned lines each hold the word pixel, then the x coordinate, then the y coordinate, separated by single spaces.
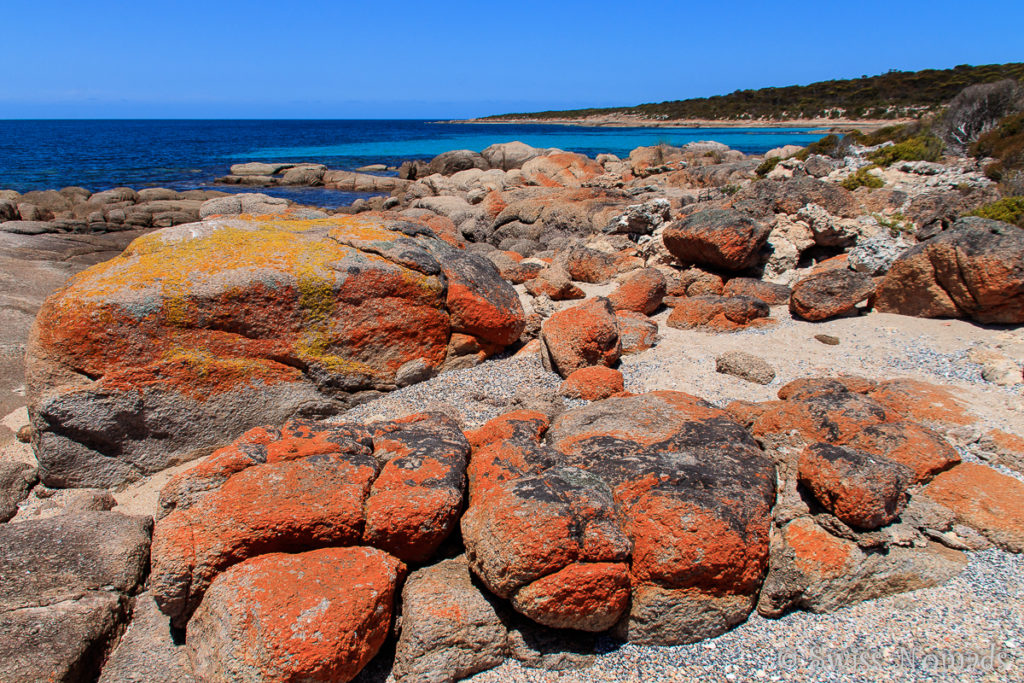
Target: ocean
pixel 189 154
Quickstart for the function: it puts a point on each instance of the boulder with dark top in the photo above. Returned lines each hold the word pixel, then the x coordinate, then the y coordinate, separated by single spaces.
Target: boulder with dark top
pixel 974 270
pixel 863 490
pixel 451 162
pixel 581 336
pixel 318 616
pixel 767 197
pixel 720 238
pixel 830 294
pixel 210 329
pixel 649 513
pixel 397 486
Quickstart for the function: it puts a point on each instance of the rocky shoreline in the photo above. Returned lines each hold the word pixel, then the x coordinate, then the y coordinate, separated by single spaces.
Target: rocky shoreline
pixel 525 415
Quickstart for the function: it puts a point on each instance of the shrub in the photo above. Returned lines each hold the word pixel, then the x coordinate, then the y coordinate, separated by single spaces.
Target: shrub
pixel 766 166
pixel 862 178
pixel 1007 210
pixel 1005 143
pixel 895 224
pixel 976 110
pixel 925 147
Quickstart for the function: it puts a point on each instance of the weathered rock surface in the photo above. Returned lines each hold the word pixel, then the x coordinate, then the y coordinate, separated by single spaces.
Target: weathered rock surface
pixel 719 238
pixel 973 270
pixel 315 616
pixel 148 652
pixel 63 598
pixel 561 169
pixel 451 629
pixel 649 513
pixel 813 570
pixel 637 332
pixel 16 480
pixel 862 490
pixel 397 486
pixel 213 328
pixel 713 313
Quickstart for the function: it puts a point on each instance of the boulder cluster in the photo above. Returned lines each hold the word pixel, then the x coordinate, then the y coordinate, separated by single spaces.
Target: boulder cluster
pixel 303 540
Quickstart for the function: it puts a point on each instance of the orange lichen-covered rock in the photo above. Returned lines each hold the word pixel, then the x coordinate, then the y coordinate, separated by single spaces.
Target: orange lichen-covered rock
pixel 1006 447
pixel 592 384
pixel 712 313
pixel 980 497
pixel 588 265
pixel 561 169
pixel 198 332
pixel 641 292
pixel 553 282
pixel 395 485
pixel 582 336
pixel 972 270
pixel 661 497
pixel 315 616
pixel 923 402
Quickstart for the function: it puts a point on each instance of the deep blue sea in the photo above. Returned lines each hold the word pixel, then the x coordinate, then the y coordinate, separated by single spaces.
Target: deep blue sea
pixel 187 154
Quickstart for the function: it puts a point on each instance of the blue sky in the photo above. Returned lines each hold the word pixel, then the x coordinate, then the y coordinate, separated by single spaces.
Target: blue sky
pixel 338 59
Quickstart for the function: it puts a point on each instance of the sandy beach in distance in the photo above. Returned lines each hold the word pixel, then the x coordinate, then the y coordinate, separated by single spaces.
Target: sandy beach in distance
pixel 628 121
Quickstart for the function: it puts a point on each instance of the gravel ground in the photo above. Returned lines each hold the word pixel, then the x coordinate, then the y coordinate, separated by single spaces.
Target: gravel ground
pixel 925 635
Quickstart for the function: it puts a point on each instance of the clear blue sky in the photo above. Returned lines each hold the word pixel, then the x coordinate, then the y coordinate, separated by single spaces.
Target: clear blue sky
pixel 366 59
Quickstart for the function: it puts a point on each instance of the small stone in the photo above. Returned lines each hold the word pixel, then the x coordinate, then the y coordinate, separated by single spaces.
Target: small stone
pixel 25 434
pixel 827 339
pixel 745 366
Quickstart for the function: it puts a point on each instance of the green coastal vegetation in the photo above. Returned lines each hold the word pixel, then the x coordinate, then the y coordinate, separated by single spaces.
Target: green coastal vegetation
pixel 895 94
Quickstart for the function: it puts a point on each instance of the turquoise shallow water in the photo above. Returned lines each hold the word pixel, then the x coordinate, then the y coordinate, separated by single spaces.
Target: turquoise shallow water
pixel 181 154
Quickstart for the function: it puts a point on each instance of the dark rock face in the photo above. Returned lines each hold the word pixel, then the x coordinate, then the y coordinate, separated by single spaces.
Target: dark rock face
pixel 450 163
pixel 397 486
pixel 973 270
pixel 830 294
pixel 16 480
pixel 862 490
pixel 63 598
pixel 720 238
pixel 622 518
